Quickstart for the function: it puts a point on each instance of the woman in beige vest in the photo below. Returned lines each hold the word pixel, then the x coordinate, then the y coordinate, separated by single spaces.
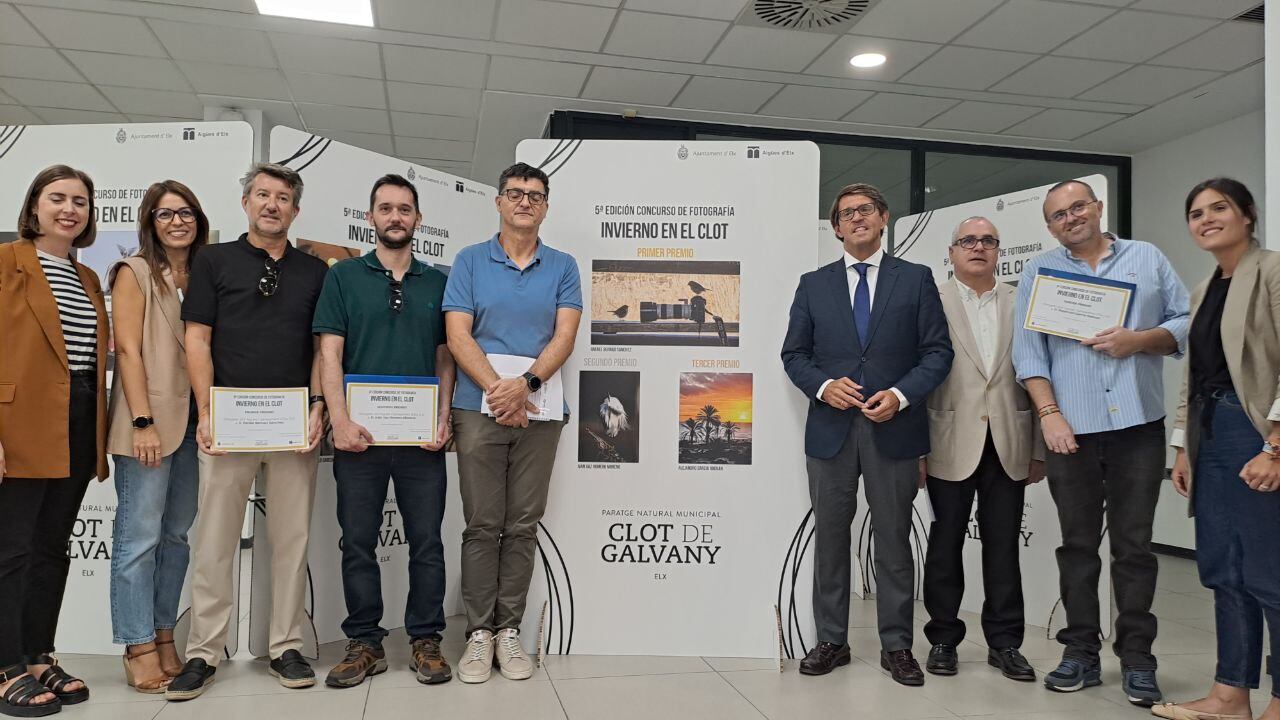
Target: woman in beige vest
pixel 152 435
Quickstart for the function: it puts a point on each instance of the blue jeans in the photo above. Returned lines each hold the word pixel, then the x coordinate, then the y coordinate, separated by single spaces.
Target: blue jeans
pixel 149 553
pixel 420 484
pixel 1237 533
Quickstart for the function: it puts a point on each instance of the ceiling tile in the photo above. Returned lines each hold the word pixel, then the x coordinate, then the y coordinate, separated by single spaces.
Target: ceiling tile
pixel 434 67
pixel 925 20
pixel 434 99
pixel 333 117
pixel 215 43
pixel 236 81
pixel 984 117
pixel 665 37
pixel 244 6
pixel 539 77
pixel 900 110
pixel 337 90
pixel 37 63
pixel 817 103
pixel 1055 124
pixel 1059 77
pixel 78 30
pixel 448 18
pixel 709 93
pixel 439 127
pixel 1032 25
pixel 1130 36
pixel 713 9
pixel 143 118
pixel 66 116
pixel 274 112
pixel 639 87
pixel 969 68
pixel 18 115
pixel 1227 47
pixel 374 142
pixel 6 100
pixel 769 48
pixel 16 30
pixel 48 93
pixel 1221 9
pixel 128 70
pixel 902 55
pixel 1148 85
pixel 142 101
pixel 440 149
pixel 334 56
pixel 553 24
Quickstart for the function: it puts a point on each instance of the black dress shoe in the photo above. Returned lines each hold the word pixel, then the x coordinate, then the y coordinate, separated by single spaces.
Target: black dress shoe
pixel 292 670
pixel 824 658
pixel 1011 663
pixel 942 660
pixel 196 676
pixel 902 666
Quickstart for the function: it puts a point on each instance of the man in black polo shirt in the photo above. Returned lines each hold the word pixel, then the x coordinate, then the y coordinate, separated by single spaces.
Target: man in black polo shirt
pixel 380 314
pixel 248 317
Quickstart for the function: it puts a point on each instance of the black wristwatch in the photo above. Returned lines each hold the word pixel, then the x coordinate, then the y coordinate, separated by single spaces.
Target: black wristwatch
pixel 315 399
pixel 143 421
pixel 533 381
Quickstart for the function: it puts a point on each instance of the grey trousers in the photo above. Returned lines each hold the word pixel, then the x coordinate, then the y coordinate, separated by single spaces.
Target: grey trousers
pixel 504 476
pixel 890 490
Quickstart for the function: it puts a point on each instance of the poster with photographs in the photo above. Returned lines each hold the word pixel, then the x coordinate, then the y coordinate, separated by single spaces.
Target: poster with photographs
pixel 609 430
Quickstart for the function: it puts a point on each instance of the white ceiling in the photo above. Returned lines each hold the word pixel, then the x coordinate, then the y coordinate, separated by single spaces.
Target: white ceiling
pixel 455 84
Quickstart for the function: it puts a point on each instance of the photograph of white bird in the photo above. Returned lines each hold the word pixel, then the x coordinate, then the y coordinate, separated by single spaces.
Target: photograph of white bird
pixel 614 416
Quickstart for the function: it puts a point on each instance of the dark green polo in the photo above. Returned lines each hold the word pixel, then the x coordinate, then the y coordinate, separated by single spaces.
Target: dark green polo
pixel 380 341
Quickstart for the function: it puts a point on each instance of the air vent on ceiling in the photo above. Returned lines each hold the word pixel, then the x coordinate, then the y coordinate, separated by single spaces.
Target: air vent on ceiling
pixel 1256 15
pixel 832 16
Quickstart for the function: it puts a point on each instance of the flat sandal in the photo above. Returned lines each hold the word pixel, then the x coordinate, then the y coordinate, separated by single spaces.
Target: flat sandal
pixel 19 699
pixel 56 680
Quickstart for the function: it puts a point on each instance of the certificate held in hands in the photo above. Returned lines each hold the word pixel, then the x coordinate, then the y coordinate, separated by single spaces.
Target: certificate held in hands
pixel 395 409
pixel 258 419
pixel 1077 306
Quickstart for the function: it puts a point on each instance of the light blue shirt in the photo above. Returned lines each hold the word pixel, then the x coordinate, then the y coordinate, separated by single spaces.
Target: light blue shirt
pixel 1097 392
pixel 513 310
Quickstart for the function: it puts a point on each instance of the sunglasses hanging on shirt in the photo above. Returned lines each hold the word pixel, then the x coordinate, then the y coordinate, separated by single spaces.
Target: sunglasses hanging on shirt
pixel 396 299
pixel 269 282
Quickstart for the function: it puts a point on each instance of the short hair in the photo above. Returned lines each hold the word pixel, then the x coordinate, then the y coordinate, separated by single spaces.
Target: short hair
pixel 1233 190
pixel 149 245
pixel 871 191
pixel 524 171
pixel 29 224
pixel 277 171
pixel 1044 209
pixel 955 234
pixel 395 181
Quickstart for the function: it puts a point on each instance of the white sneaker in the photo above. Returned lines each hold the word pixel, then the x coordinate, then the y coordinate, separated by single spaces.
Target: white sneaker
pixel 512 662
pixel 476 664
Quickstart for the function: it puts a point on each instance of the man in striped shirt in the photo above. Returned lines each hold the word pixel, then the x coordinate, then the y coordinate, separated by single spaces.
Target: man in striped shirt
pixel 1101 408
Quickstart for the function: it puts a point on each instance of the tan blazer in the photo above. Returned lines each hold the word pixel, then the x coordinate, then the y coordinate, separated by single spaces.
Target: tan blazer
pixel 35 388
pixel 969 402
pixel 165 360
pixel 1252 311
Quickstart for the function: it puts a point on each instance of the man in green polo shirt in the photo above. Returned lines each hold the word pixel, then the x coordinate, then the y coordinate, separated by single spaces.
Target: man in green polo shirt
pixel 380 314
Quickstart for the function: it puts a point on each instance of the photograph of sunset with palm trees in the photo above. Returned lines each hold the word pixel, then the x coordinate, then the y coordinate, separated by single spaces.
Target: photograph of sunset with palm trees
pixel 715 418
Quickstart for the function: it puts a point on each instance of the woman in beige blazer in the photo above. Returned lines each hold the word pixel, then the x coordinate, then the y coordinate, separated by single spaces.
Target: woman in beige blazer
pixel 1229 404
pixel 152 435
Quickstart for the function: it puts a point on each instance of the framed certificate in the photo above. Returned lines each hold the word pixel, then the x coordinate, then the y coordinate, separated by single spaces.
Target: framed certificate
pixel 258 419
pixel 1077 306
pixel 396 410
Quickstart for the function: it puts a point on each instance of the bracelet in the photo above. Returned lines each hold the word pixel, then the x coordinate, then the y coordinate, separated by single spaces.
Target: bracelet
pixel 1048 410
pixel 316 399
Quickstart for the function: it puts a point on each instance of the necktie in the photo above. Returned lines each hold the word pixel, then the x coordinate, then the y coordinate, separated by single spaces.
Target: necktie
pixel 862 304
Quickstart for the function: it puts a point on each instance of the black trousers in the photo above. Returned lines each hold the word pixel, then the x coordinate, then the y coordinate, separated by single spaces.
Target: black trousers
pixel 1116 476
pixel 36 519
pixel 1000 503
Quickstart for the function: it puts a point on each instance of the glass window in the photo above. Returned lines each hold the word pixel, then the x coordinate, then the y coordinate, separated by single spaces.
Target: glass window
pixel 953 179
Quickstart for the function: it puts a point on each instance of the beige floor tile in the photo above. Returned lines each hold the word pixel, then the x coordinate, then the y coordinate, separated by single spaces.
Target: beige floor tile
pixel 741 664
pixel 858 690
pixel 93 710
pixel 695 696
pixel 104 674
pixel 566 667
pixel 498 698
pixel 312 705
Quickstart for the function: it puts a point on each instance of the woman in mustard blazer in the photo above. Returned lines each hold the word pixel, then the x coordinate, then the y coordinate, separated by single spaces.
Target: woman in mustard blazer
pixel 53 419
pixel 1228 439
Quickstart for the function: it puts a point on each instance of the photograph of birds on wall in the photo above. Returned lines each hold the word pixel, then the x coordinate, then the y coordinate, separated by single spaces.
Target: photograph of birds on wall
pixel 665 302
pixel 609 426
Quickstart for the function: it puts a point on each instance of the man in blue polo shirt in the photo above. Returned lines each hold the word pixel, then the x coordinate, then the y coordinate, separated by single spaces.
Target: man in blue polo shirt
pixel 380 314
pixel 511 295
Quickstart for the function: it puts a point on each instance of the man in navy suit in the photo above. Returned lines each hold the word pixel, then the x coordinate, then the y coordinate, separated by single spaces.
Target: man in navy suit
pixel 867 343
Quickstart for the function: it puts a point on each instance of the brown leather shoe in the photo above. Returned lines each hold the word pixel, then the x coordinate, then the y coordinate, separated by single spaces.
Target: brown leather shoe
pixel 429 665
pixel 824 658
pixel 362 661
pixel 902 666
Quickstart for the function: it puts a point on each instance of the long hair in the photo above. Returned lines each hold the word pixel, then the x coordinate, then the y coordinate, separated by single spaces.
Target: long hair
pixel 29 224
pixel 149 246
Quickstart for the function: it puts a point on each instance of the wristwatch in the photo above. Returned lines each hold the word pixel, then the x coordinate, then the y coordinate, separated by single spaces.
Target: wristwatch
pixel 533 381
pixel 315 399
pixel 143 421
pixel 1267 447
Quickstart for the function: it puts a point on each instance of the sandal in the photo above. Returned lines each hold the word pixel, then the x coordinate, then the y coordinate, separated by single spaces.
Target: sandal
pixel 148 686
pixel 19 699
pixel 55 678
pixel 173 671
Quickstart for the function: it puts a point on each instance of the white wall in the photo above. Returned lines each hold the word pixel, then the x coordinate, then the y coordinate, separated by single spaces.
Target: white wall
pixel 1162 176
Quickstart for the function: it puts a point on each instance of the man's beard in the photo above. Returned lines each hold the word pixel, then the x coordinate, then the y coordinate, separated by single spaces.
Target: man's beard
pixel 392 243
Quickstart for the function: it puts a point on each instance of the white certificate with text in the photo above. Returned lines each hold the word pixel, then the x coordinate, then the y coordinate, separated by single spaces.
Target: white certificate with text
pixel 549 399
pixel 1077 306
pixel 258 419
pixel 395 410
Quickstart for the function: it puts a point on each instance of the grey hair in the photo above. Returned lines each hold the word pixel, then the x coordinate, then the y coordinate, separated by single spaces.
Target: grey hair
pixel 955 234
pixel 277 171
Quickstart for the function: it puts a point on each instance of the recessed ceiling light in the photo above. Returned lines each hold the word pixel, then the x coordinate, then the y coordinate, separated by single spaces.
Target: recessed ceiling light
pixel 347 12
pixel 867 60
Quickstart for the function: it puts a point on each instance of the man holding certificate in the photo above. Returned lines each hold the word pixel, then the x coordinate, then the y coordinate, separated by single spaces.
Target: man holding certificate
pixel 512 308
pixel 388 381
pixel 1097 317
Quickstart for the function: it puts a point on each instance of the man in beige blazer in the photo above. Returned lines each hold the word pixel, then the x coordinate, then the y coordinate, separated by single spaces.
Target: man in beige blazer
pixel 983 441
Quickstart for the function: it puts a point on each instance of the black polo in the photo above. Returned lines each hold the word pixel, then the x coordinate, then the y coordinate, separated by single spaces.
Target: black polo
pixel 258 341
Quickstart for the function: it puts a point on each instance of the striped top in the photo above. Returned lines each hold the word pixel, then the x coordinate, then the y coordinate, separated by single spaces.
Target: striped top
pixel 78 316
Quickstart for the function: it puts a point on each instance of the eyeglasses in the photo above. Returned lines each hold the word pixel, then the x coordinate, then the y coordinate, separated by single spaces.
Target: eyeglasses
pixel 396 301
pixel 165 215
pixel 515 195
pixel 270 282
pixel 969 242
pixel 865 210
pixel 1076 209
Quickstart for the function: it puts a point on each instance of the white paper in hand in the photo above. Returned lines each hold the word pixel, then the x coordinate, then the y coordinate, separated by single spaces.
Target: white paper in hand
pixel 549 399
